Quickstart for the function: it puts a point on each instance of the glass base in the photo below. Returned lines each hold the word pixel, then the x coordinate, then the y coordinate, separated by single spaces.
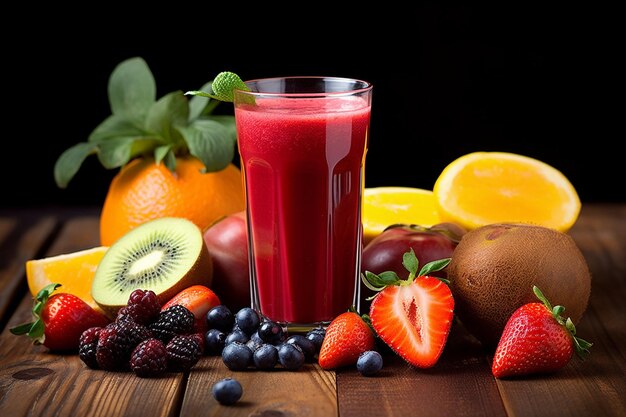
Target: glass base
pixel 295 328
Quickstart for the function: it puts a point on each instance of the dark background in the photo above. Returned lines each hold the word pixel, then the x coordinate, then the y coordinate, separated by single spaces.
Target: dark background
pixel 449 79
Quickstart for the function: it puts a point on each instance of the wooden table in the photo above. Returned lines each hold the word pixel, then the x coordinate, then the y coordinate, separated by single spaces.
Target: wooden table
pixel 34 382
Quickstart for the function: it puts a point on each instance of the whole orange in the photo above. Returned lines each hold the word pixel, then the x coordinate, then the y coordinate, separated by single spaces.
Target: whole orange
pixel 144 190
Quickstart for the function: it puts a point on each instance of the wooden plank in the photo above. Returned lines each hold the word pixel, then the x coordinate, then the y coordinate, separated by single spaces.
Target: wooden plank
pixel 460 384
pixel 310 391
pixel 34 382
pixel 597 385
pixel 21 239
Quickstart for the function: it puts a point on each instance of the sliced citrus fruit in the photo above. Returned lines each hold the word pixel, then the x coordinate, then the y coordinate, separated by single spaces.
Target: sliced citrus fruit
pixel 384 206
pixel 491 187
pixel 74 271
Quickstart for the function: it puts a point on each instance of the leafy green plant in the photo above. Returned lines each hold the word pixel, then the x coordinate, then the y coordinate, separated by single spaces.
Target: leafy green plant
pixel 141 125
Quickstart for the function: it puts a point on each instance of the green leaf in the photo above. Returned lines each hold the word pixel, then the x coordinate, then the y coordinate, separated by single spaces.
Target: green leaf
pixel 198 103
pixel 70 161
pixel 170 160
pixel 172 110
pixel 434 266
pixel 116 152
pixel 37 332
pixel 132 89
pixel 210 142
pixel 45 292
pixel 228 122
pixel 224 84
pixel 160 152
pixel 115 126
pixel 389 278
pixel 21 329
pixel 542 297
pixel 410 262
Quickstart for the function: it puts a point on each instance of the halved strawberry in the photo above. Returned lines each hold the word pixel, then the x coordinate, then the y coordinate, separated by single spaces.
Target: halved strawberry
pixel 412 316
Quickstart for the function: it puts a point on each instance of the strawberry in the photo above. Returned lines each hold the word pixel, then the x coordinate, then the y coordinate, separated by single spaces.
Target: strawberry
pixel 412 316
pixel 536 339
pixel 347 336
pixel 60 319
pixel 198 299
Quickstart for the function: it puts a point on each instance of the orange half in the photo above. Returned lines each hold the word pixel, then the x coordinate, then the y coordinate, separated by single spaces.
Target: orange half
pixel 74 271
pixel 490 187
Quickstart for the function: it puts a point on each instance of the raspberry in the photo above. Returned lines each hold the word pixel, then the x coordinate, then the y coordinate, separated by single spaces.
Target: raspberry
pixel 149 358
pixel 183 352
pixel 173 321
pixel 117 341
pixel 143 307
pixel 87 344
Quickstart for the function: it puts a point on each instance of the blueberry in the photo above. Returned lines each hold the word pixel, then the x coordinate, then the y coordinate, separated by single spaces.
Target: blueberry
pixel 271 332
pixel 220 317
pixel 254 344
pixel 236 336
pixel 237 356
pixel 369 363
pixel 290 356
pixel 265 357
pixel 308 348
pixel 227 391
pixel 248 320
pixel 317 337
pixel 214 342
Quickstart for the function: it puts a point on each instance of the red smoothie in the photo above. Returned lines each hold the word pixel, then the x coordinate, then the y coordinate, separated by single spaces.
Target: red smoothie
pixel 303 161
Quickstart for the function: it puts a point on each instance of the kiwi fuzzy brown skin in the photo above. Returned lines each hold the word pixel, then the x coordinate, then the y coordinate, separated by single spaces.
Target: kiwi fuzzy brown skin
pixel 494 268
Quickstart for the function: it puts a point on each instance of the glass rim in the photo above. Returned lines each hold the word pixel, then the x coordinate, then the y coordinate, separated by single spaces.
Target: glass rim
pixel 367 86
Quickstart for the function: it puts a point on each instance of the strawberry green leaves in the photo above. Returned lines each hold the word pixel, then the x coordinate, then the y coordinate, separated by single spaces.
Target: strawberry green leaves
pixel 378 282
pixel 35 330
pixel 141 125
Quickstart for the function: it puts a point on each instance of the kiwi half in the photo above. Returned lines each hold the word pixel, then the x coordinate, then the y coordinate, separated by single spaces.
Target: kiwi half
pixel 165 255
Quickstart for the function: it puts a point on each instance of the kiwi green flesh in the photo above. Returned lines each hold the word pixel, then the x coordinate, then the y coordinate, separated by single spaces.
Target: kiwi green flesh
pixel 164 255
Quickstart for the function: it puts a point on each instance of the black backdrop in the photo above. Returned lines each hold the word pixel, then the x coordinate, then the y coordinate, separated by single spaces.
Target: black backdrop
pixel 448 80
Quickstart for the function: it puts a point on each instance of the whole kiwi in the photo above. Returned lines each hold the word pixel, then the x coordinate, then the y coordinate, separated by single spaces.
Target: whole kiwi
pixel 494 268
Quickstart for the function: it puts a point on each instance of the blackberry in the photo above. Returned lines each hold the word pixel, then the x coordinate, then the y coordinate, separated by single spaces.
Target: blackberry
pixel 271 332
pixel 87 344
pixel 290 356
pixel 214 341
pixel 117 341
pixel 227 391
pixel 220 317
pixel 173 321
pixel 143 307
pixel 183 352
pixel 247 320
pixel 307 347
pixel 317 337
pixel 369 363
pixel 265 357
pixel 149 358
pixel 237 356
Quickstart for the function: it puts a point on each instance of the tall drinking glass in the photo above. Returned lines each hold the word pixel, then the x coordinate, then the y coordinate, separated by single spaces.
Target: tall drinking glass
pixel 302 142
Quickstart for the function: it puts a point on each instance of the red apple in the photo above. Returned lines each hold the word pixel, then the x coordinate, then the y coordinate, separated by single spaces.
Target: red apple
pixel 227 241
pixel 384 252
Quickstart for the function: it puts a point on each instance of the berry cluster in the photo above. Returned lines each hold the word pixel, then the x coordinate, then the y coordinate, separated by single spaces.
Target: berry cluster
pixel 245 339
pixel 144 338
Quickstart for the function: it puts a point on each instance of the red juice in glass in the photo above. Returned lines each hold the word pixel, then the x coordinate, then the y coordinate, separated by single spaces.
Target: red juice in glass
pixel 303 155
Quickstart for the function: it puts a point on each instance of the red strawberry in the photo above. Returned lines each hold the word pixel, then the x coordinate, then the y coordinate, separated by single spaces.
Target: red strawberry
pixel 412 316
pixel 347 336
pixel 199 300
pixel 536 339
pixel 60 320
